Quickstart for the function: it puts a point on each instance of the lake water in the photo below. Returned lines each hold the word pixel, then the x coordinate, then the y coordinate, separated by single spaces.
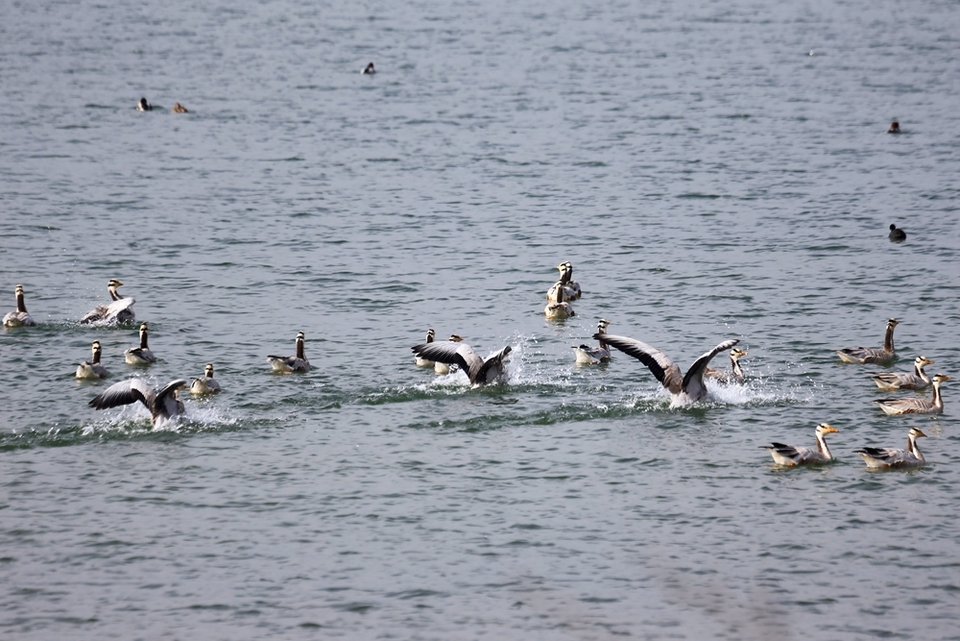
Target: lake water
pixel 712 170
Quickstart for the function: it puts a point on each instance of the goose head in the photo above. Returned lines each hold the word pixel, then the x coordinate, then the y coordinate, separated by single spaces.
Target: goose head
pixel 825 428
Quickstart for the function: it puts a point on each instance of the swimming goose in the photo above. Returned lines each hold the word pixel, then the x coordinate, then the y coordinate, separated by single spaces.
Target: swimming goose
pixel 92 368
pixel 735 375
pixel 20 316
pixel 452 352
pixel 896 235
pixel 118 312
pixel 368 70
pixel 863 355
pixel 422 362
pixel 917 379
pixel 143 105
pixel 791 455
pixel 206 384
pixel 287 364
pixel 559 309
pixel 587 355
pixel 879 458
pixel 140 355
pixel 571 289
pixel 179 109
pixel 916 405
pixel 685 389
pixel 164 405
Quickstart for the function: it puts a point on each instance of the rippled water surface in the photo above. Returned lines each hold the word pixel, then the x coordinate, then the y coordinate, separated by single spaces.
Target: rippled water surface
pixel 712 170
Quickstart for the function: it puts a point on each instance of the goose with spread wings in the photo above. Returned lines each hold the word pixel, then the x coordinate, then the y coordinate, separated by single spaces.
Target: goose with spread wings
pixel 684 388
pixel 164 404
pixel 480 371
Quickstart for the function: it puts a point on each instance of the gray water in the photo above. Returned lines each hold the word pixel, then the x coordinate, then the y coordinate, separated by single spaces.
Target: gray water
pixel 712 170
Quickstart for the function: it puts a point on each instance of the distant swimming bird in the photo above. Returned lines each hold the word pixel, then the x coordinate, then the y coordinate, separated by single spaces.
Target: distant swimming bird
pixel 791 455
pixel 369 70
pixel 864 355
pixel 480 371
pixel 143 105
pixel 164 405
pixel 916 380
pixel 140 355
pixel 287 364
pixel 422 362
pixel 896 235
pixel 179 109
pixel 894 128
pixel 684 389
pixel 560 309
pixel 446 368
pixel 120 311
pixel 916 405
pixel 878 458
pixel 734 374
pixel 20 317
pixel 206 384
pixel 92 369
pixel 587 355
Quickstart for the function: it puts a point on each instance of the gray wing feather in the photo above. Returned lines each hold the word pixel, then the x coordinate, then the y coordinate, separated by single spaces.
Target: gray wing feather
pixel 452 353
pixel 693 380
pixel 660 365
pixel 124 393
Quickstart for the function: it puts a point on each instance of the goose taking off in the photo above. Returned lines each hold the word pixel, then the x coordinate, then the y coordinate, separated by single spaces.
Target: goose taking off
pixel 20 317
pixel 879 458
pixel 118 312
pixel 422 362
pixel 561 308
pixel 916 405
pixel 735 375
pixel 206 384
pixel 92 369
pixel 140 355
pixel 587 355
pixel 480 371
pixel 863 355
pixel 916 380
pixel 287 364
pixel 445 368
pixel 164 405
pixel 790 455
pixel 686 388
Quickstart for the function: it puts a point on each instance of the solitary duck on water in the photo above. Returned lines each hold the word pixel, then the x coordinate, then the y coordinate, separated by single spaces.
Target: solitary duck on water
pixel 288 364
pixel 864 355
pixel 140 355
pixel 19 317
pixel 684 388
pixel 915 380
pixel 735 374
pixel 422 362
pixel 587 355
pixel 118 312
pixel 143 105
pixel 92 369
pixel 452 352
pixel 446 368
pixel 896 235
pixel 164 405
pixel 206 384
pixel 879 458
pixel 560 309
pixel 916 405
pixel 791 455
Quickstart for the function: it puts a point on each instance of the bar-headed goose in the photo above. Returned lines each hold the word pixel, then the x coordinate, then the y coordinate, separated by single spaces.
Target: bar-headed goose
pixel 288 364
pixel 915 380
pixel 422 362
pixel 879 458
pixel 140 355
pixel 206 384
pixel 863 355
pixel 791 455
pixel 734 374
pixel 480 371
pixel 587 355
pixel 92 369
pixel 685 388
pixel 118 311
pixel 561 308
pixel 570 287
pixel 164 405
pixel 446 368
pixel 916 405
pixel 19 317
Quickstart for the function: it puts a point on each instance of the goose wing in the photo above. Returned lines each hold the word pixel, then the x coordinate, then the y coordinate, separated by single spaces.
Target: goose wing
pixel 124 393
pixel 114 309
pixel 693 379
pixel 492 368
pixel 660 365
pixel 166 403
pixel 452 353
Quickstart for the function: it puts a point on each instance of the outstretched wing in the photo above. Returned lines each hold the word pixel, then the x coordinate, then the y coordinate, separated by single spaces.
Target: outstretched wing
pixel 450 352
pixel 664 369
pixel 693 380
pixel 124 393
pixel 492 368
pixel 167 404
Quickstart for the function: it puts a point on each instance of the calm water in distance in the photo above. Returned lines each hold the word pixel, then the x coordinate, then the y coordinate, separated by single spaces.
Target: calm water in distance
pixel 713 170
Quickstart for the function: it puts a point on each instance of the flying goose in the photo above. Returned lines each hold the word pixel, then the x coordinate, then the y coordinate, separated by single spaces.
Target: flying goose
pixel 446 368
pixel 916 380
pixel 452 352
pixel 118 312
pixel 735 375
pixel 206 384
pixel 287 364
pixel 164 405
pixel 92 368
pixel 916 405
pixel 878 458
pixel 685 389
pixel 863 355
pixel 560 309
pixel 587 355
pixel 422 362
pixel 140 355
pixel 20 316
pixel 790 455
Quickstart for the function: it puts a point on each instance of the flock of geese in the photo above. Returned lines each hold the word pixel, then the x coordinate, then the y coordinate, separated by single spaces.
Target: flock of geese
pixel 685 388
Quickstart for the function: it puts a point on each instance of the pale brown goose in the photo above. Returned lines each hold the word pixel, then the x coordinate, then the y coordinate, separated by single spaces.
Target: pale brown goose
pixel 478 370
pixel 117 312
pixel 734 374
pixel 92 369
pixel 916 405
pixel 915 380
pixel 19 317
pixel 791 455
pixel 206 384
pixel 879 458
pixel 288 364
pixel 164 405
pixel 862 355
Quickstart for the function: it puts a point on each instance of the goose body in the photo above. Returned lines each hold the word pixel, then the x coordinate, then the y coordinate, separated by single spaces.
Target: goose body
pixel 288 364
pixel 164 405
pixel 792 455
pixel 684 388
pixel 916 405
pixel 119 311
pixel 559 309
pixel 862 355
pixel 478 370
pixel 92 369
pixel 587 355
pixel 879 458
pixel 915 380
pixel 140 355
pixel 569 287
pixel 422 362
pixel 206 384
pixel 19 317
pixel 734 374
pixel 445 368
pixel 179 109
